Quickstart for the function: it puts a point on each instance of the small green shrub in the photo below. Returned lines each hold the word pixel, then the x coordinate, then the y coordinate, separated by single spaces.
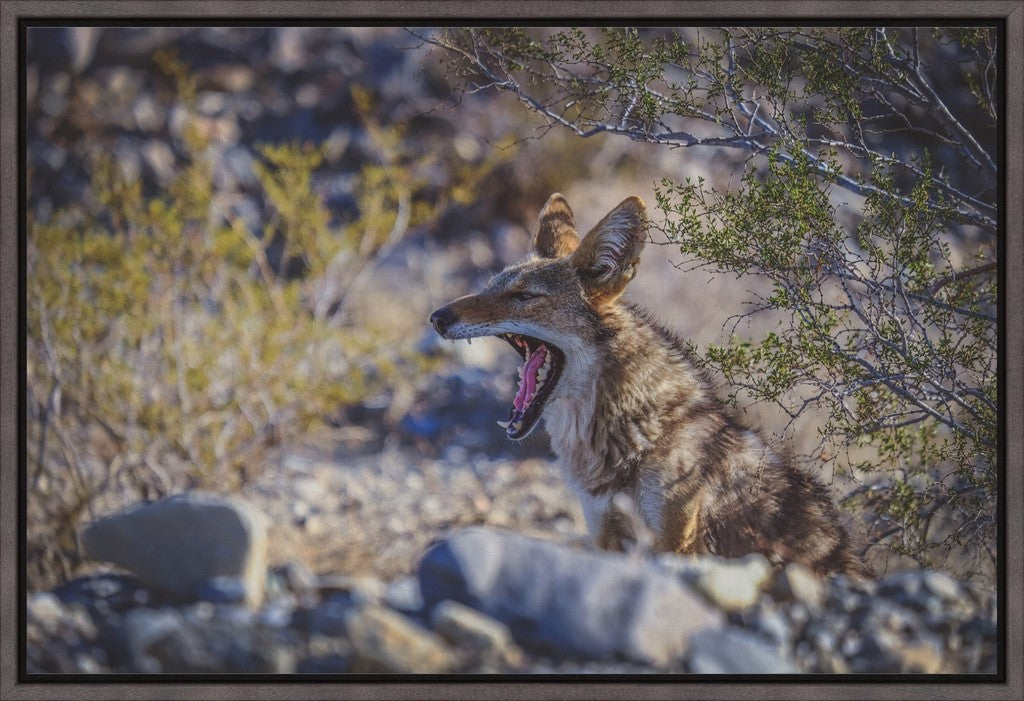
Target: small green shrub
pixel 164 348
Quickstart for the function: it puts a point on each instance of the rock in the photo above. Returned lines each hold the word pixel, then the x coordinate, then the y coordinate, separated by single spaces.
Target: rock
pixel 798 583
pixel 278 613
pixel 773 624
pixel 180 543
pixel 735 651
pixel 294 577
pixel 875 654
pixel 159 637
pixel 735 584
pixel 942 585
pixel 566 602
pixel 903 587
pixel 359 589
pixel 44 609
pixel 404 595
pixel 883 615
pixel 166 641
pixel 386 641
pixel 326 655
pixel 978 627
pixel 833 664
pixel 160 160
pixel 919 658
pixel 223 590
pixel 326 619
pixel 471 629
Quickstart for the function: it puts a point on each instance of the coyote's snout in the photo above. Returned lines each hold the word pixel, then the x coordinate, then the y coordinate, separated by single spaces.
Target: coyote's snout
pixel 628 410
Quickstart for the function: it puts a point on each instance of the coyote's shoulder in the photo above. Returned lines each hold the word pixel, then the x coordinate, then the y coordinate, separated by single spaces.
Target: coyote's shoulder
pixel 630 412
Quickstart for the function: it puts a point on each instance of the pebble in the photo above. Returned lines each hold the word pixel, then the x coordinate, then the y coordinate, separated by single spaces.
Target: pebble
pixel 386 641
pixel 360 589
pixel 45 609
pixel 942 585
pixel 404 595
pixel 469 628
pixel 735 585
pixel 798 583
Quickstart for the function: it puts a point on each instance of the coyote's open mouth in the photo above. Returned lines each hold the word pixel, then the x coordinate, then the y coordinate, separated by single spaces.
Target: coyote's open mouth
pixel 542 366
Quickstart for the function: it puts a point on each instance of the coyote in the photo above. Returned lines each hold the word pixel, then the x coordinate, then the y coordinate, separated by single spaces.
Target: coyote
pixel 630 412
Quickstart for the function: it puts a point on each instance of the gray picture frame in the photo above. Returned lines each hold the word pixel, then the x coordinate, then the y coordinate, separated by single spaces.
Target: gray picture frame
pixel 12 13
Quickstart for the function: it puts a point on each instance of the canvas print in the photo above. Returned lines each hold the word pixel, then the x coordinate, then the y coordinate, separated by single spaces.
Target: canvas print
pixel 512 350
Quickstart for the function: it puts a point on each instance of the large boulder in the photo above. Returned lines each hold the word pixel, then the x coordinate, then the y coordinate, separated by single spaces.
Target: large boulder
pixel 185 545
pixel 567 602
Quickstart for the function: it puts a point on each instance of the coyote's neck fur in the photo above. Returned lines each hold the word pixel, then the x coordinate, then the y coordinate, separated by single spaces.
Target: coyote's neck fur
pixel 609 408
pixel 629 411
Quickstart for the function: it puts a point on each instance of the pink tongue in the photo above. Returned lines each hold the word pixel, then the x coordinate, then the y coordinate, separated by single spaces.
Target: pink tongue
pixel 529 381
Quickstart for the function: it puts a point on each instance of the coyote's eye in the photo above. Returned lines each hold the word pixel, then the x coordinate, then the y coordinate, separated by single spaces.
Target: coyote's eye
pixel 523 296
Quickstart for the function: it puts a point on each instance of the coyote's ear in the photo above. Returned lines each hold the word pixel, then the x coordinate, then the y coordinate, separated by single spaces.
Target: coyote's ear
pixel 556 231
pixel 607 257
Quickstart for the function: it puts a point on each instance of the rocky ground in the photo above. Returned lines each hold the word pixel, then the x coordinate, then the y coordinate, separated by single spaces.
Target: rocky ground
pixel 480 599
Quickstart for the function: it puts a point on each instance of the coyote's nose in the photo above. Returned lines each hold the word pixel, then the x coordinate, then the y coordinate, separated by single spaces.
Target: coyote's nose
pixel 442 319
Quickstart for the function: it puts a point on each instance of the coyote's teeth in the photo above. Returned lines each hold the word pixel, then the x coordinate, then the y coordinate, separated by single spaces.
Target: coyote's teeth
pixel 469 341
pixel 542 375
pixel 517 425
pixel 504 424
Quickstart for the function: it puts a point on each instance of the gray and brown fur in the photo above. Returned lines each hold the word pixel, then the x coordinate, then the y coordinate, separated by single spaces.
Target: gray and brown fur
pixel 633 413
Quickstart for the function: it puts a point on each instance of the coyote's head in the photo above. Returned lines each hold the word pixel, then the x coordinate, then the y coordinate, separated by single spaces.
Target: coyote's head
pixel 550 307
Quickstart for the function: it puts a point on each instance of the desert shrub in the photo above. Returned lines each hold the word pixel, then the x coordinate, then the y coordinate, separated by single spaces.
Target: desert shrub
pixel 868 200
pixel 166 349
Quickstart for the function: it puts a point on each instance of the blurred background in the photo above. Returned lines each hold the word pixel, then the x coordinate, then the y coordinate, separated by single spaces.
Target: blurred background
pixel 235 238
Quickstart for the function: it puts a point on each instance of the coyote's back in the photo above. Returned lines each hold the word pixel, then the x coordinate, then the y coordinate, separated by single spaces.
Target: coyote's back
pixel 629 412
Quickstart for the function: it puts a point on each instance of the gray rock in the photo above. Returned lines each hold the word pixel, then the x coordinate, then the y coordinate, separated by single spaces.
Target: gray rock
pixel 294 577
pixel 159 637
pixel 942 585
pixel 387 641
pixel 278 613
pixel 920 657
pixel 326 655
pixel 180 543
pixel 773 624
pixel 567 602
pixel 903 587
pixel 223 590
pixel 469 628
pixel 164 640
pixel 735 651
pixel 732 585
pixel 798 583
pixel 883 615
pixel 45 609
pixel 404 595
pixel 360 589
pixel 328 618
pixel 878 653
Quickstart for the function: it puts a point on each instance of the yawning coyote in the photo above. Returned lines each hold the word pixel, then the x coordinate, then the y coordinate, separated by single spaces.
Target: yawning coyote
pixel 629 411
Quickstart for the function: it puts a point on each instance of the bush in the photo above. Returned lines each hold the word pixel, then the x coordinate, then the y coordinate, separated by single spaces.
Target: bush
pixel 868 200
pixel 166 349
